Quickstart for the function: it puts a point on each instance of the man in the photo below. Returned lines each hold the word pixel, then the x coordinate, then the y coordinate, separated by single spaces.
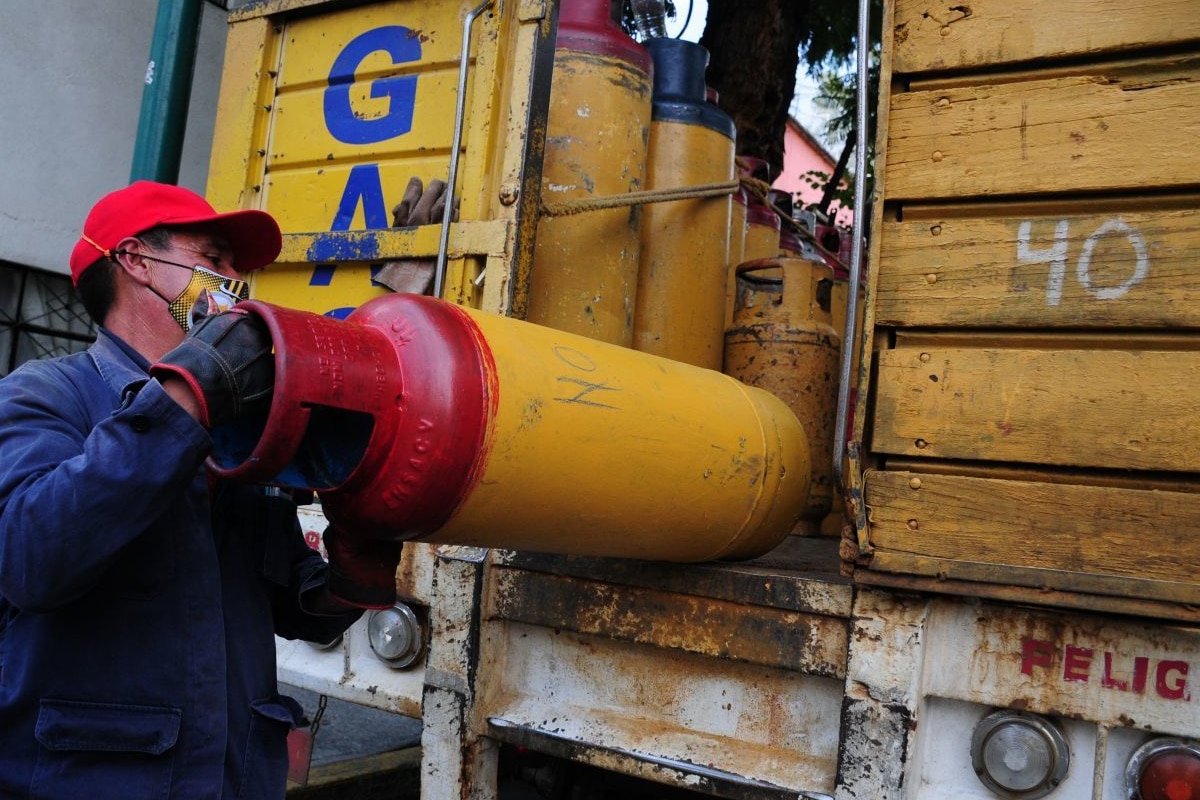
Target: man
pixel 138 596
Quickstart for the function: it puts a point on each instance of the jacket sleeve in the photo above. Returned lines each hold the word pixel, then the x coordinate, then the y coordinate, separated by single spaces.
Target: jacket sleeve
pixel 74 493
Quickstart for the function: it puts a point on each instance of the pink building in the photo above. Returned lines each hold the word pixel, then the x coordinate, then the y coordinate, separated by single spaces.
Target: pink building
pixel 802 153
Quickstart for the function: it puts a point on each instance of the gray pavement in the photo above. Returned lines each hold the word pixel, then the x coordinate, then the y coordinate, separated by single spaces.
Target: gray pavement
pixel 349 731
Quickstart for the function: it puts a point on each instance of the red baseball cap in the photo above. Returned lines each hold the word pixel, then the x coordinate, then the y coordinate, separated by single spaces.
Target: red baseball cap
pixel 253 235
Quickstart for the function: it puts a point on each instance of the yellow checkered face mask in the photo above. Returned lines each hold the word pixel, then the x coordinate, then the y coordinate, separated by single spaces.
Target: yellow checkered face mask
pixel 206 293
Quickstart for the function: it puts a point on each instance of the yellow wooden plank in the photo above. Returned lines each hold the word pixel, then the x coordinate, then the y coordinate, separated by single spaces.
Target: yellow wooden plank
pixel 1095 130
pixel 1108 409
pixel 1158 599
pixel 956 35
pixel 235 171
pixel 1072 537
pixel 312 198
pixel 1116 263
pixel 331 273
pixel 431 31
pixel 297 142
pixel 420 242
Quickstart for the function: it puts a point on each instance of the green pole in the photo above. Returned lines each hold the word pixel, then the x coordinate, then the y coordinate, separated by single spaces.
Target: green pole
pixel 159 145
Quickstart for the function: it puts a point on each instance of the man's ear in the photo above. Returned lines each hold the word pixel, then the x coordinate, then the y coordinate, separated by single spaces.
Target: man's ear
pixel 128 255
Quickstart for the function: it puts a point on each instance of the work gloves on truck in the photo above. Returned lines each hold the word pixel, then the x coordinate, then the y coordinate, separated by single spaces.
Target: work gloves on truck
pixel 421 205
pixel 227 361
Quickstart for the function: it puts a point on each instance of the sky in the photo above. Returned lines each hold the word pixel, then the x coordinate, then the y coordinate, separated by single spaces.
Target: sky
pixel 802 107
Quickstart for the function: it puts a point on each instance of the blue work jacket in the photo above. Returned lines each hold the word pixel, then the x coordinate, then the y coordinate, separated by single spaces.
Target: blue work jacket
pixel 138 597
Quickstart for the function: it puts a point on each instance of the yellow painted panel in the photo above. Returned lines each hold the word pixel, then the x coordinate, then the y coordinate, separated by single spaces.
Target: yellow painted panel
pixel 1078 537
pixel 296 142
pixel 1094 408
pixel 312 44
pixel 239 137
pixel 308 200
pixel 956 35
pixel 1098 129
pixel 366 91
pixel 1116 263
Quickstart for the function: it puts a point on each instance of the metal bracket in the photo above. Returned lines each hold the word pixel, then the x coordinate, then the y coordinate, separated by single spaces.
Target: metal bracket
pixel 856 499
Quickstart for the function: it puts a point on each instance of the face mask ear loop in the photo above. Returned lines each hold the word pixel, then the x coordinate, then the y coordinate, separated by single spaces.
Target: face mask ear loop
pixel 104 251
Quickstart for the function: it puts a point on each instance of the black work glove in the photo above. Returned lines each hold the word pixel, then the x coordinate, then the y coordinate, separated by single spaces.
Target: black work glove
pixel 362 572
pixel 228 363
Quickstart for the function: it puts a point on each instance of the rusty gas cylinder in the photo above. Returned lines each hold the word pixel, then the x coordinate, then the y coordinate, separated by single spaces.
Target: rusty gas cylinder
pixel 783 340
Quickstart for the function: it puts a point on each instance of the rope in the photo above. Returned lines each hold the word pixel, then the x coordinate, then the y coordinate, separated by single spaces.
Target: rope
pixel 756 187
pixel 568 208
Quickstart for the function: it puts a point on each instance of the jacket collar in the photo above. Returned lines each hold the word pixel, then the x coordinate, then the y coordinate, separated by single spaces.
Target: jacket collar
pixel 124 369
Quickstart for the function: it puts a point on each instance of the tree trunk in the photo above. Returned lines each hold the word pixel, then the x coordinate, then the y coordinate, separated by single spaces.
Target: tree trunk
pixel 754 49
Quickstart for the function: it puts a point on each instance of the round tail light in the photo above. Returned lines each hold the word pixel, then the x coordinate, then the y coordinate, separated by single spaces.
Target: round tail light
pixel 1019 755
pixel 1164 769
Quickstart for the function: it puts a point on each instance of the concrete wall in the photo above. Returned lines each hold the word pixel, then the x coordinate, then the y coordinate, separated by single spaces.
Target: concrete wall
pixel 73 74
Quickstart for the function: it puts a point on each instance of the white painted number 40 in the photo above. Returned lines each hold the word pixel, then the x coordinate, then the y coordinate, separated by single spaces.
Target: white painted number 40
pixel 1056 257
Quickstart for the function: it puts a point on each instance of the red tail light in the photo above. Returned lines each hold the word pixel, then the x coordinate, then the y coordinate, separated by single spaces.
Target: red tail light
pixel 1164 769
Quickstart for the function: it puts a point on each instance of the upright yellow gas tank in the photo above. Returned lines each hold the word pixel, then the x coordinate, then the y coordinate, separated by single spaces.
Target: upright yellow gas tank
pixel 684 244
pixel 585 266
pixel 783 340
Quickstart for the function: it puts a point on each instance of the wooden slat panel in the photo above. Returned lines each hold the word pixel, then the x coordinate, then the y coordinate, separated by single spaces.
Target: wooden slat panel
pixel 956 35
pixel 1116 263
pixel 1109 409
pixel 1076 538
pixel 1079 132
pixel 896 571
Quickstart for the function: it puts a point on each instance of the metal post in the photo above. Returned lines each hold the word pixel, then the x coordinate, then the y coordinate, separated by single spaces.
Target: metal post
pixel 439 273
pixel 856 254
pixel 163 119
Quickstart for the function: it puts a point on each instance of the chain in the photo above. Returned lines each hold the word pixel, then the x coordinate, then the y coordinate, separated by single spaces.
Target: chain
pixel 316 722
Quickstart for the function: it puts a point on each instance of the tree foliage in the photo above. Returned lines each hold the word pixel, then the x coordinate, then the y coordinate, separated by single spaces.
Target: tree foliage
pixel 755 48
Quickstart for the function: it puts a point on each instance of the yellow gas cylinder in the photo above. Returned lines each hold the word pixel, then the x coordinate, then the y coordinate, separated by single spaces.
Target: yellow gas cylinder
pixel 682 272
pixel 783 340
pixel 762 223
pixel 585 265
pixel 415 418
pixel 737 246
